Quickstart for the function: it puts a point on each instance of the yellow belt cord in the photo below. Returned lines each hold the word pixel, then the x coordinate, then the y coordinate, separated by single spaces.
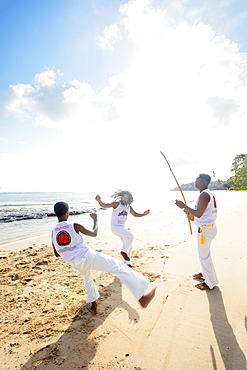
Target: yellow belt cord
pixel 201 230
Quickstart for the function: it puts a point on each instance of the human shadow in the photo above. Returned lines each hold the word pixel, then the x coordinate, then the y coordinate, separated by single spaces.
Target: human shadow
pixel 76 347
pixel 232 355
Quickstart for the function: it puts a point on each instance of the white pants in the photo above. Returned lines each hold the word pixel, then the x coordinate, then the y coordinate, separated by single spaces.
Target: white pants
pixel 126 236
pixel 208 270
pixel 100 262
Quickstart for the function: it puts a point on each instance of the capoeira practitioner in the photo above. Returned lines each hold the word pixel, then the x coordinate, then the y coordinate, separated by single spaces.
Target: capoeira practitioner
pixel 121 208
pixel 204 216
pixel 69 244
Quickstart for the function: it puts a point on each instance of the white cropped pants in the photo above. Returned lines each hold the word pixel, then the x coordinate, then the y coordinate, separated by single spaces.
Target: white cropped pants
pixel 205 257
pixel 100 262
pixel 126 236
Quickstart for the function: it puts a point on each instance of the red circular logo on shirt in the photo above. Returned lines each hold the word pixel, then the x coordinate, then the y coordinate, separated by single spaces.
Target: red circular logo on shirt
pixel 63 238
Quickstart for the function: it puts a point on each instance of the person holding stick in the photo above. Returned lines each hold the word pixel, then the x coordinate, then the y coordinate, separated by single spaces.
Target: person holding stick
pixel 121 208
pixel 68 243
pixel 204 216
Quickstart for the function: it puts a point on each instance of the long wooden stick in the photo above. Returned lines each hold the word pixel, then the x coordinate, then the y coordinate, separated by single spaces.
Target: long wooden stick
pixel 178 187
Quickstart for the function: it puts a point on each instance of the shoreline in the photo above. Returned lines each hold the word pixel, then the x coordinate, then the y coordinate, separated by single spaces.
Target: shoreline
pixel 166 218
pixel 148 229
pixel 25 243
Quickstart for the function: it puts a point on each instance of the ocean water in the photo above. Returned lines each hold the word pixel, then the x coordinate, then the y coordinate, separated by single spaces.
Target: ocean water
pixel 28 206
pixel 28 215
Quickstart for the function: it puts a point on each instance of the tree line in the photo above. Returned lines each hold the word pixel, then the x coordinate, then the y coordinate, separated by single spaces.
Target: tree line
pixel 238 181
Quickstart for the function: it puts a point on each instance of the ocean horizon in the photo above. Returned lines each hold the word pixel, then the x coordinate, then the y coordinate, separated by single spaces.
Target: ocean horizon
pixel 25 215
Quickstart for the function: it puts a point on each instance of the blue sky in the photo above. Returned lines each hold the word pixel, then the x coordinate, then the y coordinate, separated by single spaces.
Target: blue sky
pixel 94 90
pixel 55 33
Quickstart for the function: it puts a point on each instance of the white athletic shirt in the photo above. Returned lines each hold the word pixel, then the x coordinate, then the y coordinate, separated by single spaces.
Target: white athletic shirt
pixel 119 215
pixel 68 243
pixel 210 214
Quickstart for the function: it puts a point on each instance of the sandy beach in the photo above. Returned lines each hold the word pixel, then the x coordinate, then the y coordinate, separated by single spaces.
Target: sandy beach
pixel 45 324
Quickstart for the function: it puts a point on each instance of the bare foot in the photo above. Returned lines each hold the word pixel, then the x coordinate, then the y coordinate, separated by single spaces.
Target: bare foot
pixel 198 276
pixel 125 256
pixel 147 298
pixel 92 307
pixel 202 286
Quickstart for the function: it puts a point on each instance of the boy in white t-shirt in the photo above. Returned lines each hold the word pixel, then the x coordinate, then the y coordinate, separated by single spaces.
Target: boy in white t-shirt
pixel 121 208
pixel 68 243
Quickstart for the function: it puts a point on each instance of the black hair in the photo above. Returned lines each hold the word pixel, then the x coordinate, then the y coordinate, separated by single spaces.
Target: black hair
pixel 205 177
pixel 119 193
pixel 60 208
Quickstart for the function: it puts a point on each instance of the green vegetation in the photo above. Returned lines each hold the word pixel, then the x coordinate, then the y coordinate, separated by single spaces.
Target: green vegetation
pixel 239 180
pixel 236 182
pixel 214 185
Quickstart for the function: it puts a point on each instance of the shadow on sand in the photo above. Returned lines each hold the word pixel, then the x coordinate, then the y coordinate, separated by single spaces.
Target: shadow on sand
pixel 76 348
pixel 232 355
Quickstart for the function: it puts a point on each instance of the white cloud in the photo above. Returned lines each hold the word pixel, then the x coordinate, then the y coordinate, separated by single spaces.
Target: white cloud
pixel 223 109
pixel 76 90
pixel 110 35
pixel 47 77
pixel 21 103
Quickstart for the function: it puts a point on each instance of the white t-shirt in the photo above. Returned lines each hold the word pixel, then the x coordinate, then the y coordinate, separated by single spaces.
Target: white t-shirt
pixel 119 215
pixel 68 243
pixel 210 214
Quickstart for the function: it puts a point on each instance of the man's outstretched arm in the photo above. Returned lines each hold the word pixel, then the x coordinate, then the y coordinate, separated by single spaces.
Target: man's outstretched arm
pixel 135 214
pixel 81 229
pixel 106 205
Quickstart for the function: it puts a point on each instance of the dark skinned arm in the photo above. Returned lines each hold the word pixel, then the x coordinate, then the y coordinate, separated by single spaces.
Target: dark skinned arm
pixel 135 214
pixel 106 205
pixel 81 229
pixel 201 206
pixel 55 251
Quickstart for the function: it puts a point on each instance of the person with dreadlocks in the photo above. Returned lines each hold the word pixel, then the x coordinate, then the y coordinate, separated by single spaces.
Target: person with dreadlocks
pixel 121 205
